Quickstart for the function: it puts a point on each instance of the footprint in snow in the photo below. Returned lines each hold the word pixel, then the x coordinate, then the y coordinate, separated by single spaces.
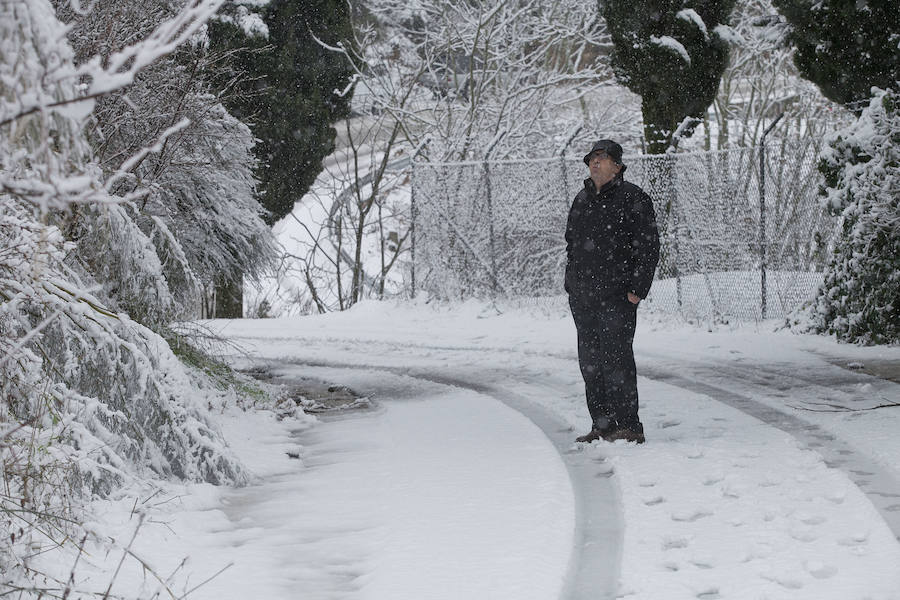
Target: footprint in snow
pixel 690 516
pixel 712 433
pixel 820 570
pixel 710 594
pixel 813 520
pixel 667 424
pixel 656 500
pixel 836 497
pixel 674 543
pixel 855 540
pixel 804 536
pixel 789 583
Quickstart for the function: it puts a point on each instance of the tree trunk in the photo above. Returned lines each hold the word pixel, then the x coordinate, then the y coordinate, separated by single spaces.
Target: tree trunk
pixel 229 299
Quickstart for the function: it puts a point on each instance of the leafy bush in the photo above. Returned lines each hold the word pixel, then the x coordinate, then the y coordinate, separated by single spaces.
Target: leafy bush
pixel 860 298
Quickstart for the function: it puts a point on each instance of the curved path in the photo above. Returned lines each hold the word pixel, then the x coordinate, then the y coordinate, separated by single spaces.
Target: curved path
pixel 698 490
pixel 594 555
pixel 435 505
pixel 741 386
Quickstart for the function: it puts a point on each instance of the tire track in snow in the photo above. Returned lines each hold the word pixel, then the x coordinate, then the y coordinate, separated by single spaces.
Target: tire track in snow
pixel 595 563
pixel 879 484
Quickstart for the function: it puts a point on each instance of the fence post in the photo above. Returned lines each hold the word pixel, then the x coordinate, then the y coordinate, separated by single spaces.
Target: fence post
pixel 412 227
pixel 565 177
pixel 669 166
pixel 762 216
pixel 762 227
pixel 490 212
pixel 413 214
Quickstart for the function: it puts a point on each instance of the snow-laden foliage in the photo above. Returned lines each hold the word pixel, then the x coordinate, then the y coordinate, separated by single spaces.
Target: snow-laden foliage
pixel 760 82
pixel 860 299
pixel 288 88
pixel 672 54
pixel 89 396
pixel 844 47
pixel 488 79
pixel 197 210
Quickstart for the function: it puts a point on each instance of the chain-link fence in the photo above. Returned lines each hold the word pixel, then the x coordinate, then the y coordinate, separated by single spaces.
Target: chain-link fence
pixel 733 244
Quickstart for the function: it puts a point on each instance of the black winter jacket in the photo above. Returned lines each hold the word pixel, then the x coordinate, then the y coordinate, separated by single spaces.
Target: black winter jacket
pixel 612 242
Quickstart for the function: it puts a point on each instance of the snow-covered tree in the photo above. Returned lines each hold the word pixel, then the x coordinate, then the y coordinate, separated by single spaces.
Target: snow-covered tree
pixel 845 47
pixel 199 211
pixel 476 79
pixel 761 81
pixel 295 90
pixel 672 54
pixel 90 397
pixel 860 299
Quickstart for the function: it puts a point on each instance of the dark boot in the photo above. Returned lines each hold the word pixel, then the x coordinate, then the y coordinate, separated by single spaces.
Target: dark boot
pixel 591 436
pixel 629 435
pixel 595 434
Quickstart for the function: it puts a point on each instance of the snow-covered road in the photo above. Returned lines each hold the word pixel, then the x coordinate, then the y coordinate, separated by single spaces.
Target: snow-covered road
pixel 592 536
pixel 399 501
pixel 464 482
pixel 740 492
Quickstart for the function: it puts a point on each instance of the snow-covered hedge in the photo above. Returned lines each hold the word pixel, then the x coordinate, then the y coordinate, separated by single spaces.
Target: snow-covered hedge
pixel 860 298
pixel 89 398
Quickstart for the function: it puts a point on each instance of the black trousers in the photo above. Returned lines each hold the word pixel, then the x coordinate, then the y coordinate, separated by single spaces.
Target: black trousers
pixel 606 356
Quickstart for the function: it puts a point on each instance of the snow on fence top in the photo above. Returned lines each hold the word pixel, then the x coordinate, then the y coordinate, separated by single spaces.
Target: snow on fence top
pixel 731 247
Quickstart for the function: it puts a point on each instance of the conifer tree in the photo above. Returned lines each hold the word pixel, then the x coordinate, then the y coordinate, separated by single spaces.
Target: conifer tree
pixel 286 86
pixel 860 298
pixel 844 47
pixel 671 53
pixel 291 89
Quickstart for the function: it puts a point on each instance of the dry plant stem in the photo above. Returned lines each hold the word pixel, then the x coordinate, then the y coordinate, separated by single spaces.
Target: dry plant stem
pixel 125 553
pixel 205 581
pixel 71 580
pixel 150 570
pixel 839 408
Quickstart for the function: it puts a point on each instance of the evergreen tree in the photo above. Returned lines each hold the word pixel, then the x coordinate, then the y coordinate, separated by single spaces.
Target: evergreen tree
pixel 671 53
pixel 845 47
pixel 285 84
pixel 860 299
pixel 290 89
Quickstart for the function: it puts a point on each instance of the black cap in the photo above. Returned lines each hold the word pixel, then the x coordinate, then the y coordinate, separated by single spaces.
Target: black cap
pixel 612 149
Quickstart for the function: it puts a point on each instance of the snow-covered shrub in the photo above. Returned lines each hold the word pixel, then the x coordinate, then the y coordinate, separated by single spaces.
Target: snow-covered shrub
pixel 860 298
pixel 88 397
pixel 197 207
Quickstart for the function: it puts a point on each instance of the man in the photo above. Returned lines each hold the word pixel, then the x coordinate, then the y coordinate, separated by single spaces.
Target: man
pixel 612 245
